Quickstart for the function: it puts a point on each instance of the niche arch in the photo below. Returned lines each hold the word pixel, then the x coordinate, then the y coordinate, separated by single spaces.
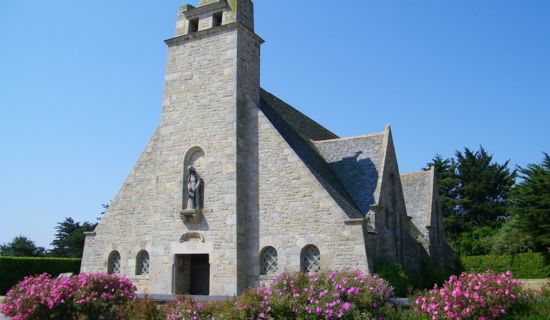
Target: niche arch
pixel 194 158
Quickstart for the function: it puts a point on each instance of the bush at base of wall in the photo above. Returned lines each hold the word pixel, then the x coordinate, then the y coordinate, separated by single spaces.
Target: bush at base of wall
pixel 14 269
pixel 523 265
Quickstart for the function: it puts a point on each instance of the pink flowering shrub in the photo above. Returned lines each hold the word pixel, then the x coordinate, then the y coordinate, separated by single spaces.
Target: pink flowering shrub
pixel 471 296
pixel 330 295
pixel 44 297
pixel 189 309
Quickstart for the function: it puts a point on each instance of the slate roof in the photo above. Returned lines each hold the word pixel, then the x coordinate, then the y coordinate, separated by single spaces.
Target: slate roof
pixel 299 131
pixel 358 164
pixel 418 192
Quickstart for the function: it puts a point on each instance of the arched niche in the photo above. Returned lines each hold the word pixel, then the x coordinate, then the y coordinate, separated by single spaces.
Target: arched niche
pixel 194 158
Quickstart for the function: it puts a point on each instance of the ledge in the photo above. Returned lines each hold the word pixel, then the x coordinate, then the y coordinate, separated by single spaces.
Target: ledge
pixel 89 234
pixel 192 215
pixel 353 221
pixel 267 277
pixel 203 33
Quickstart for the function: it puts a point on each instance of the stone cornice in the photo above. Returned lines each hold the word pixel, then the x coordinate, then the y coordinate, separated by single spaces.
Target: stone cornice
pixel 204 33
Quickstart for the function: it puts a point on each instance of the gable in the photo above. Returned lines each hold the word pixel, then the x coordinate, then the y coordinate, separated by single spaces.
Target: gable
pixel 417 189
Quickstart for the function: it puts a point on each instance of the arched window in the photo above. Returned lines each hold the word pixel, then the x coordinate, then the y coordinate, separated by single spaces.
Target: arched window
pixel 114 263
pixel 311 259
pixel 142 263
pixel 269 261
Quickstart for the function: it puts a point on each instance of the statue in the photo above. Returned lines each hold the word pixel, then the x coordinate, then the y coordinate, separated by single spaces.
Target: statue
pixel 193 189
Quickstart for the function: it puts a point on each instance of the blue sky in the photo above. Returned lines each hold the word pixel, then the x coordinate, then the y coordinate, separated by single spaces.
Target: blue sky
pixel 81 86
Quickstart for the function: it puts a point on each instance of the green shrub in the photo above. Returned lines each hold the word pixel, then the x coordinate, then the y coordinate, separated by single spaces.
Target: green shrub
pixel 522 265
pixel 14 269
pixel 403 281
pixel 140 310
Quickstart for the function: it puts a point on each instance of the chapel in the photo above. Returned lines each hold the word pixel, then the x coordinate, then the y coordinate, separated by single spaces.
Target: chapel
pixel 236 186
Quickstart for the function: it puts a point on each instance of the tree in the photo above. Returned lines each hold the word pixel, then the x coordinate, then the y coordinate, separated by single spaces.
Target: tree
pixel 69 238
pixel 474 198
pixel 531 202
pixel 483 189
pixel 21 246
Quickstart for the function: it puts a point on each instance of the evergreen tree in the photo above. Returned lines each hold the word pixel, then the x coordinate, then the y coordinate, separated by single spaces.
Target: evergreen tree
pixel 21 246
pixel 483 189
pixel 69 238
pixel 473 191
pixel 531 202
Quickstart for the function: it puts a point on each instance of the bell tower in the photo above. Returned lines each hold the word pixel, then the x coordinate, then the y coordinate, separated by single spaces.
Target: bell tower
pixel 212 77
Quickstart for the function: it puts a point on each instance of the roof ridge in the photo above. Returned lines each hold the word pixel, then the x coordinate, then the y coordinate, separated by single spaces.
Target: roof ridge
pixel 305 126
pixel 416 173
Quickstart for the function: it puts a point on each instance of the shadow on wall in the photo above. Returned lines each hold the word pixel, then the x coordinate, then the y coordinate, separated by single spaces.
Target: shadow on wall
pixel 359 178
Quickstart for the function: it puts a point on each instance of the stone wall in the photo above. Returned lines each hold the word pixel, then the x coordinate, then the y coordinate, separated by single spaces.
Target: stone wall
pixel 295 211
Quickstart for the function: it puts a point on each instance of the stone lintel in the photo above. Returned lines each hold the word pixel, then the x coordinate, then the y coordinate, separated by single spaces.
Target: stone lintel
pixel 89 234
pixel 204 33
pixel 195 12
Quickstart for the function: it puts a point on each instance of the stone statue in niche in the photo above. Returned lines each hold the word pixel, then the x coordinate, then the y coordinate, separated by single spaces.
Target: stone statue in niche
pixel 193 189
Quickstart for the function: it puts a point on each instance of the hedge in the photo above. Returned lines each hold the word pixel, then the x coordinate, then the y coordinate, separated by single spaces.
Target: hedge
pixel 14 269
pixel 523 265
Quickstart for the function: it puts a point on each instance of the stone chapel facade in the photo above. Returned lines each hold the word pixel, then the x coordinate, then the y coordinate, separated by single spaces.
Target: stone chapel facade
pixel 236 186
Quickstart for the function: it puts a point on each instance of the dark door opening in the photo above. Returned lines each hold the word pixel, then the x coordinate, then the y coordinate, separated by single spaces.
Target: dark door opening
pixel 192 274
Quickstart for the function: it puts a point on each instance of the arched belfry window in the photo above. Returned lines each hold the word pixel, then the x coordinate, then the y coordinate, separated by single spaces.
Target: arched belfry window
pixel 142 263
pixel 193 182
pixel 311 259
pixel 114 263
pixel 269 261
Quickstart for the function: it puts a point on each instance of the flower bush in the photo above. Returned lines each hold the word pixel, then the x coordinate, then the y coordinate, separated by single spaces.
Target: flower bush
pixel 44 297
pixel 331 295
pixel 471 296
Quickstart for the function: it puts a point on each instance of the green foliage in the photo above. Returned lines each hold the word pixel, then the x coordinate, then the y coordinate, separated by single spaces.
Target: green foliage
pixel 474 198
pixel 403 281
pixel 477 241
pixel 69 239
pixel 14 269
pixel 511 239
pixel 523 265
pixel 21 246
pixel 483 189
pixel 140 310
pixel 531 202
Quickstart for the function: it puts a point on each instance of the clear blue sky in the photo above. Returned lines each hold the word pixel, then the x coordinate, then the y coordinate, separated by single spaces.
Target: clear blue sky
pixel 81 86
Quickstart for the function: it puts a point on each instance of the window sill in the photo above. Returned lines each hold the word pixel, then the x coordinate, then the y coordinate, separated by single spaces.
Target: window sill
pixel 267 277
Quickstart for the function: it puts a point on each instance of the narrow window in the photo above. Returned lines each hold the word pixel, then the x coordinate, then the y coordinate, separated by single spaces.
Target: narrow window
pixel 142 263
pixel 269 261
pixel 114 263
pixel 311 259
pixel 217 19
pixel 193 25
